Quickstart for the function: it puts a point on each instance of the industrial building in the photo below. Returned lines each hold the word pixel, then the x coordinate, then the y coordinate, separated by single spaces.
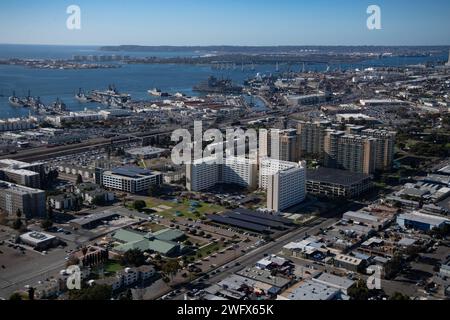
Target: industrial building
pixel 421 221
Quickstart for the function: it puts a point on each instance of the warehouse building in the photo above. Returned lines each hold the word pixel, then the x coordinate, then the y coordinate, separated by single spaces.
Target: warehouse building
pixel 421 221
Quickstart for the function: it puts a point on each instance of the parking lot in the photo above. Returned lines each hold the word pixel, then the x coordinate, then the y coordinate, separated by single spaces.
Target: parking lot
pixel 20 267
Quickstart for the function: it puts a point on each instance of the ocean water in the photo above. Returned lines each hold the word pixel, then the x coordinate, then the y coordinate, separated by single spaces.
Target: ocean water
pixel 133 79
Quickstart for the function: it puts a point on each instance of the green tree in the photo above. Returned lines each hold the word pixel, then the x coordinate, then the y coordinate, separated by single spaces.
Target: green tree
pixel 79 179
pixel 393 266
pixel 399 296
pixel 170 268
pixel 133 257
pixel 50 212
pixel 17 224
pixel 98 201
pixel 359 291
pixel 153 191
pixel 127 296
pixel 139 205
pixel 31 292
pixel 94 293
pixel 46 224
pixel 16 297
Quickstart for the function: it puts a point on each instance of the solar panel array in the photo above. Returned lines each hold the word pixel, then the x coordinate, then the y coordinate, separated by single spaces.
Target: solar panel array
pixel 263 215
pixel 251 220
pixel 238 223
pixel 263 222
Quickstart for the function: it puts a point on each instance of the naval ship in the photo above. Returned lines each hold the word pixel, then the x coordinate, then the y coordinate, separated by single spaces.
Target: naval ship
pixel 214 85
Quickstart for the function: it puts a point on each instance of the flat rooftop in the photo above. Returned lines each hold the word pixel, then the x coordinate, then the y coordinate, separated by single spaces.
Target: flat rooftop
pixel 145 151
pixel 424 218
pixel 93 218
pixel 335 176
pixel 132 172
pixel 21 172
pixel 36 237
pixel 18 188
pixel 313 291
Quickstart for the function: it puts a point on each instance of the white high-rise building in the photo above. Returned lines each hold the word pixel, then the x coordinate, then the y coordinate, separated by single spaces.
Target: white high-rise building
pixel 240 171
pixel 284 181
pixel 448 63
pixel 268 167
pixel 204 174
pixel 201 175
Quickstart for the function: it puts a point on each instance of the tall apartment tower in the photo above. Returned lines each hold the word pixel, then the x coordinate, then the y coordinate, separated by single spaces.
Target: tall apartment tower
pixel 311 138
pixel 385 147
pixel 287 141
pixel 284 181
pixel 350 152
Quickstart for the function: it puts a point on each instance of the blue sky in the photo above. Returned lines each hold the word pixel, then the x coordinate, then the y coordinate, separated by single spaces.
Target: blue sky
pixel 230 22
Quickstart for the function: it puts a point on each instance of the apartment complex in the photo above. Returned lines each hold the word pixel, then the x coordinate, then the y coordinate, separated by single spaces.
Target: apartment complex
pixel 14 197
pixel 23 173
pixel 204 174
pixel 131 179
pixel 284 181
pixel 269 167
pixel 311 138
pixel 385 147
pixel 350 152
pixel 287 141
pixel 356 149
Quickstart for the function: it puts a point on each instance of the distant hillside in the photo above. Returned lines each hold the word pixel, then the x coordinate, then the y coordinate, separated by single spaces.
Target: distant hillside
pixel 410 50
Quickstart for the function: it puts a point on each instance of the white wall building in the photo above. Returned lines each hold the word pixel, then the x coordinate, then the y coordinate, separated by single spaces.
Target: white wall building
pixel 205 173
pixel 131 179
pixel 286 188
pixel 268 167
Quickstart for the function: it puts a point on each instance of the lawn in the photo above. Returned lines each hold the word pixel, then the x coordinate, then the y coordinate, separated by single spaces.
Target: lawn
pixel 211 248
pixel 183 208
pixel 154 227
pixel 112 267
